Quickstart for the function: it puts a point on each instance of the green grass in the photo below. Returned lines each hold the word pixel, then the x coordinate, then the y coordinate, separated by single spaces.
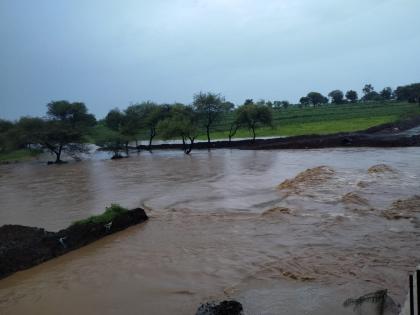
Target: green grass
pixel 18 155
pixel 110 213
pixel 324 119
pixel 308 128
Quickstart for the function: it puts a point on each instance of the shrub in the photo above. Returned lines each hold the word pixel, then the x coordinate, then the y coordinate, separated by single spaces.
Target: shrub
pixel 110 213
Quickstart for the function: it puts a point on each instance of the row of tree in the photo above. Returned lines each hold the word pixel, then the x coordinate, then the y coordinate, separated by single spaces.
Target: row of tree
pixel 179 121
pixel 369 94
pixel 67 126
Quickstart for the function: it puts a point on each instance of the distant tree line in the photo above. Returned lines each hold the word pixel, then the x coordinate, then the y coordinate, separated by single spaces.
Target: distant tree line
pixel 67 126
pixel 408 93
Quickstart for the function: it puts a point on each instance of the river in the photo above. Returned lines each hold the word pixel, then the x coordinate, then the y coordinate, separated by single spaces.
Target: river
pixel 220 227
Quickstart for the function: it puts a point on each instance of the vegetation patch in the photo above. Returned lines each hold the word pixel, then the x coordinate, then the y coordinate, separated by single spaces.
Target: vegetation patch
pixel 110 213
pixel 18 155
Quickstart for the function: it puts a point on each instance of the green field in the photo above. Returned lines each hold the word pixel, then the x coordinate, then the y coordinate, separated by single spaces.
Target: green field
pixel 324 119
pixel 18 155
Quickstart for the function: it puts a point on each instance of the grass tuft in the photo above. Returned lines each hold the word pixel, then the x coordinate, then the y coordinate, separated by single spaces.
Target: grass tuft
pixel 110 213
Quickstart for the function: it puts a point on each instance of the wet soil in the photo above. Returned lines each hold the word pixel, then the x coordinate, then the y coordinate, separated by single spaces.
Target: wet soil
pixel 22 247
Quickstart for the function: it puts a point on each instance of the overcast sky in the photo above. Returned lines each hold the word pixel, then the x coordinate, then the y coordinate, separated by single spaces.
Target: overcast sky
pixel 112 53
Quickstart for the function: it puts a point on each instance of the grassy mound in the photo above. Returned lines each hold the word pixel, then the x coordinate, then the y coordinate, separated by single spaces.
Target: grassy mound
pixel 109 215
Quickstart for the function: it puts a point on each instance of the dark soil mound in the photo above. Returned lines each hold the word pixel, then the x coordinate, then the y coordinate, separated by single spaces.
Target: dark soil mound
pixel 22 247
pixel 223 308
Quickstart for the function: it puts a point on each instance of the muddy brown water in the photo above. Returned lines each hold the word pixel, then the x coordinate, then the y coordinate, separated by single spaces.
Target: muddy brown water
pixel 220 228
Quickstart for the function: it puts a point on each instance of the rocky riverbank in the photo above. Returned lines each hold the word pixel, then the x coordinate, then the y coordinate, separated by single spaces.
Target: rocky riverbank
pixel 22 247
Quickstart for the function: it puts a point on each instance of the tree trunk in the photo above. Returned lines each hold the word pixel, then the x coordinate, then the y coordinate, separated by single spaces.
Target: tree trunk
pixel 189 149
pixel 232 131
pixel 126 148
pixel 137 145
pixel 183 144
pixel 208 135
pixel 58 154
pixel 152 135
pixel 253 133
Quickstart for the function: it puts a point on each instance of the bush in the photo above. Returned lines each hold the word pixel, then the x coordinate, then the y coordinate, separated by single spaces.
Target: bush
pixel 110 213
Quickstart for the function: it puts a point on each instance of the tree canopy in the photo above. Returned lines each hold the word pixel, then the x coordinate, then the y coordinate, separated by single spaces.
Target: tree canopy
pixel 182 122
pixel 352 96
pixel 337 96
pixel 209 107
pixel 253 116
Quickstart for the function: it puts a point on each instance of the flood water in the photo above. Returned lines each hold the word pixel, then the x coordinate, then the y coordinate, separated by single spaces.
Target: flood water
pixel 221 228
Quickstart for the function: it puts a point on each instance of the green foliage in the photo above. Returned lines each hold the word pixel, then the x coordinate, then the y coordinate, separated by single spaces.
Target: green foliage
pixel 18 155
pixel 305 101
pixel 324 119
pixel 372 97
pixel 5 125
pixel 317 98
pixel 209 108
pixel 146 115
pixel 253 116
pixel 410 93
pixel 182 122
pixel 110 213
pixel 75 114
pixel 63 130
pixel 368 88
pixel 386 93
pixel 108 139
pixel 352 96
pixel 337 96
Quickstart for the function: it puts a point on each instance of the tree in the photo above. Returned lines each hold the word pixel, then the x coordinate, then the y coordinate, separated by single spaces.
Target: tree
pixel 368 88
pixel 409 93
pixel 386 93
pixel 5 133
pixel 352 96
pixel 5 125
pixel 316 98
pixel 249 101
pixel 153 116
pixel 285 104
pixel 123 127
pixel 182 122
pixel 337 96
pixel 209 107
pixel 111 140
pixel 372 96
pixel 63 130
pixel 147 115
pixel 253 116
pixel 305 101
pixel 234 125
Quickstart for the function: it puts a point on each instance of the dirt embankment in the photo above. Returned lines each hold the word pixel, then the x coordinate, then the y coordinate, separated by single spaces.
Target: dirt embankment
pixel 386 135
pixel 22 247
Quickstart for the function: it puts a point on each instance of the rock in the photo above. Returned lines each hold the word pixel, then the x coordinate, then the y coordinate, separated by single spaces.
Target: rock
pixel 223 308
pixel 22 247
pixel 381 168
